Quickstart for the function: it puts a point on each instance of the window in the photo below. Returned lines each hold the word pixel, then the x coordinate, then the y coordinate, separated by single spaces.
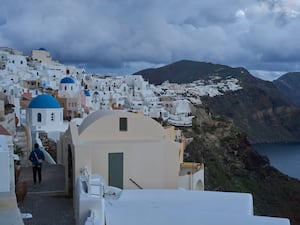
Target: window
pixel 39 117
pixel 52 116
pixel 123 124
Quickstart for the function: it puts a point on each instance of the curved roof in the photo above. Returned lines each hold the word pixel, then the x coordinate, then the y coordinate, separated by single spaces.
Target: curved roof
pixel 67 80
pixel 93 117
pixel 44 101
pixel 104 124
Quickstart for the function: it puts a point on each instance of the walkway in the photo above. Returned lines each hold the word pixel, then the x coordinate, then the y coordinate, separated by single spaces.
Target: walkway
pixel 46 201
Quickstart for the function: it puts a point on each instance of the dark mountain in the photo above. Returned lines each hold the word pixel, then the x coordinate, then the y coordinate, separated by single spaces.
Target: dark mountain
pixel 258 109
pixel 183 71
pixel 289 85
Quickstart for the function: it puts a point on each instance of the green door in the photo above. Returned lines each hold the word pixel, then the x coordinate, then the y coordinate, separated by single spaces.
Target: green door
pixel 115 169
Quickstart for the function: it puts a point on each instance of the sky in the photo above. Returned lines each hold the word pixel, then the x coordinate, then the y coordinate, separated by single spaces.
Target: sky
pixel 125 36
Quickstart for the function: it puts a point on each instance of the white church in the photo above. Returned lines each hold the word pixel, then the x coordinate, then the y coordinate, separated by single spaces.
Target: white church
pixel 44 113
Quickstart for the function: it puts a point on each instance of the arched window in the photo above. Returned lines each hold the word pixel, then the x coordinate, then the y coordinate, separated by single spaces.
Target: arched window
pixel 52 116
pixel 39 117
pixel 199 185
pixel 65 88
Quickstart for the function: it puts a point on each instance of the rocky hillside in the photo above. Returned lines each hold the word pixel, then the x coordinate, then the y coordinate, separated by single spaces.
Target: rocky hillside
pixel 231 164
pixel 289 85
pixel 258 109
pixel 183 71
pixel 263 117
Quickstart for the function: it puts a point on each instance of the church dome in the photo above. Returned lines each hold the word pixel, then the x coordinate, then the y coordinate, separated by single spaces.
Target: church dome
pixel 44 101
pixel 86 92
pixel 67 80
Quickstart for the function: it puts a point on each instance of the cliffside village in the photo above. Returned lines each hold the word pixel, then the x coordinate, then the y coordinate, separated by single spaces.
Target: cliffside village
pixel 114 135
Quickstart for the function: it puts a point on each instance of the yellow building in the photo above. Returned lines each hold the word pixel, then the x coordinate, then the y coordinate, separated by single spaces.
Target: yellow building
pixel 129 150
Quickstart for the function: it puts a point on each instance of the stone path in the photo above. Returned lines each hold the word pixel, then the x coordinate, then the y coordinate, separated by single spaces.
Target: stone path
pixel 47 202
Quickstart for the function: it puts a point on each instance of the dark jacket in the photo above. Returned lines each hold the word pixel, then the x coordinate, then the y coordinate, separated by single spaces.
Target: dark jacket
pixel 39 154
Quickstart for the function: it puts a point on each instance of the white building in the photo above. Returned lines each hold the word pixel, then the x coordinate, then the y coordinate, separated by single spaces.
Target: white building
pixel 97 203
pixel 67 87
pixel 44 114
pixel 9 211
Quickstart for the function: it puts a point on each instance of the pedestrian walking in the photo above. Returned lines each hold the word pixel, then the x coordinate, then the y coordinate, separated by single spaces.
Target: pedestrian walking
pixel 37 157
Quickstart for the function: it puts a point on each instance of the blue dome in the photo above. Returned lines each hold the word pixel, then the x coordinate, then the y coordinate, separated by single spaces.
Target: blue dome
pixel 86 92
pixel 44 101
pixel 67 80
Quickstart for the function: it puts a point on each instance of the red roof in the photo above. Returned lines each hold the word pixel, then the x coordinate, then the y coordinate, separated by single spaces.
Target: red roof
pixel 27 95
pixel 3 131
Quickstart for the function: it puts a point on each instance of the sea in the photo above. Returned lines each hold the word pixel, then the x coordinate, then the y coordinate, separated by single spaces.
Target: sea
pixel 283 156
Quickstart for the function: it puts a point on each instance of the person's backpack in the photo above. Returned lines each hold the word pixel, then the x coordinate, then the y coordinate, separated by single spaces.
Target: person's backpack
pixel 38 159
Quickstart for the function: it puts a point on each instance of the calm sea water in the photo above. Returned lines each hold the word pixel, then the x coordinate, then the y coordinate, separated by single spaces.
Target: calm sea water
pixel 284 157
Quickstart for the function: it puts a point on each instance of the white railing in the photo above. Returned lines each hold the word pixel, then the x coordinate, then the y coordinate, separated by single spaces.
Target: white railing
pixel 48 157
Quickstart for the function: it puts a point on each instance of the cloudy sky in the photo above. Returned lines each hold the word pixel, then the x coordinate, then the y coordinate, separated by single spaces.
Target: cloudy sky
pixel 124 36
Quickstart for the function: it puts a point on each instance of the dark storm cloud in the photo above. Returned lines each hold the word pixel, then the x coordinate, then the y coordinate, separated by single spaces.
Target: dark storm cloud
pixel 127 35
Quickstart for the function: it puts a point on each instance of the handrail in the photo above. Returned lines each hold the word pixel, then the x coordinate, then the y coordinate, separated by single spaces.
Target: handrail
pixel 135 183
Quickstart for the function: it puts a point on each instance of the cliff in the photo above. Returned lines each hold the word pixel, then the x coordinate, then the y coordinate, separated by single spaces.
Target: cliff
pixel 231 164
pixel 289 85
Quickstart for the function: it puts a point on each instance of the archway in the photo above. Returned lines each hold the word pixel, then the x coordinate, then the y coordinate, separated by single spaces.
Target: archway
pixel 199 185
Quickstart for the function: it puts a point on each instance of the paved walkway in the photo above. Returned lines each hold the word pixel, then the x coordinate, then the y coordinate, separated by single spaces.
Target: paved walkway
pixel 47 201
